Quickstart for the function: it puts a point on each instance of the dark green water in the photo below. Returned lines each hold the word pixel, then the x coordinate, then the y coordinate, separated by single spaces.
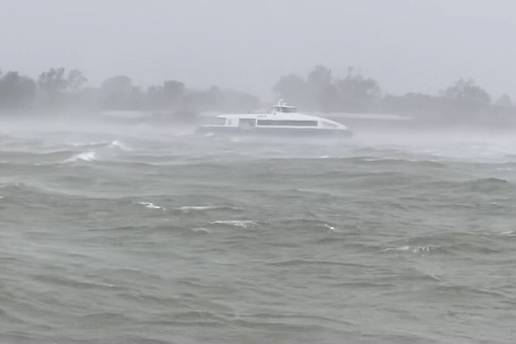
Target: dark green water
pixel 122 238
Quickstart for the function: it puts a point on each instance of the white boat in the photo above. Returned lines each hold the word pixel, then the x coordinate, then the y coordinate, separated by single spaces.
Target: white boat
pixel 283 120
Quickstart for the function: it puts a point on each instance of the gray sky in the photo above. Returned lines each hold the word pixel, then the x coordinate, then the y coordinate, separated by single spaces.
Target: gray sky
pixel 407 45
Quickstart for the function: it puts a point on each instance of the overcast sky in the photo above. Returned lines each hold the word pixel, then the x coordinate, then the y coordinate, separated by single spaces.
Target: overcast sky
pixel 407 45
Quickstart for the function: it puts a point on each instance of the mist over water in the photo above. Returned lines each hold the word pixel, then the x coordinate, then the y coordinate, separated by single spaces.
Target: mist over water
pixel 129 233
pixel 121 223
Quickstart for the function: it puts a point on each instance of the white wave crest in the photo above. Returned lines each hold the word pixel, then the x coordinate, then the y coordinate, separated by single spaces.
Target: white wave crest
pixel 191 208
pixel 84 156
pixel 119 145
pixel 236 223
pixel 91 144
pixel 331 228
pixel 150 205
pixel 413 249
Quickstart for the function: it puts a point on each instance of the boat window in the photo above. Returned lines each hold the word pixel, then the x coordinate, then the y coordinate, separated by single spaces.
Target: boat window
pixel 215 121
pixel 247 122
pixel 328 124
pixel 295 123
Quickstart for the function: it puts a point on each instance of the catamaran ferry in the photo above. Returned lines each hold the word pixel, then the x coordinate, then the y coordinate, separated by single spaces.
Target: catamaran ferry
pixel 283 120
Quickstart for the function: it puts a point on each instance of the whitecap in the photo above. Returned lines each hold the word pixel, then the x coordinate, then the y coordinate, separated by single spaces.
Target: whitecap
pixel 119 145
pixel 401 248
pixel 236 223
pixel 331 228
pixel 413 249
pixel 191 208
pixel 150 205
pixel 508 233
pixel 84 156
pixel 91 144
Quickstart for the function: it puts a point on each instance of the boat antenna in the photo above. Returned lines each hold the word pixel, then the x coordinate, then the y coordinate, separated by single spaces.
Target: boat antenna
pixel 277 108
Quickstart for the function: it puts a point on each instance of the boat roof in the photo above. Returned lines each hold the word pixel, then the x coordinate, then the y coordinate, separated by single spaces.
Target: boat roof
pixel 279 114
pixel 284 117
pixel 291 116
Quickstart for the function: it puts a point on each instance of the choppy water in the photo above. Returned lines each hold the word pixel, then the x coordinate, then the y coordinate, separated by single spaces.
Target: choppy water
pixel 118 238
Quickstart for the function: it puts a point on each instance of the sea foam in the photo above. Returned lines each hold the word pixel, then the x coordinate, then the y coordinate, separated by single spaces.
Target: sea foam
pixel 150 205
pixel 236 223
pixel 84 156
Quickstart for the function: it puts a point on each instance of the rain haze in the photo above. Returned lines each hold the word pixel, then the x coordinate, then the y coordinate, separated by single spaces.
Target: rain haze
pixel 257 171
pixel 407 45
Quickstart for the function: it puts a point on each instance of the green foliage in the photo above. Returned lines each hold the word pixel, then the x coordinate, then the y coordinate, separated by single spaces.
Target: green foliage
pixel 319 90
pixel 59 87
pixel 322 91
pixel 16 91
pixel 168 95
pixel 467 91
pixel 504 101
pixel 119 93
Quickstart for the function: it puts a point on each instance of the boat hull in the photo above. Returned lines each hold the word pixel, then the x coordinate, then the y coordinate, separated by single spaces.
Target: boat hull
pixel 274 132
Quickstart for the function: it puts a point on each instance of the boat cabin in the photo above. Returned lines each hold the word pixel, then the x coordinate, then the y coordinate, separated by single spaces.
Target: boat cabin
pixel 282 116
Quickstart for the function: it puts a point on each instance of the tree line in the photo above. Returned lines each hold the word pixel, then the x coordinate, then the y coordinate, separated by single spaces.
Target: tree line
pixel 59 88
pixel 319 90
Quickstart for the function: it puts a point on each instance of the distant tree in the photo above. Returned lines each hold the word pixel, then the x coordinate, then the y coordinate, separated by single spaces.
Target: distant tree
pixel 203 100
pixel 292 89
pixel 466 91
pixel 173 90
pixel 119 93
pixel 16 90
pixel 52 82
pixel 168 95
pixel 218 99
pixel 58 86
pixel 117 84
pixel 505 101
pixel 229 100
pixel 322 89
pixel 356 92
pixel 320 76
pixel 75 80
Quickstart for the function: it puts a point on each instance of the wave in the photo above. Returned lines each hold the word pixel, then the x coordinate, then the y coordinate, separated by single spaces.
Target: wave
pixel 483 185
pixel 75 283
pixel 306 262
pixel 189 208
pixel 99 144
pixel 201 230
pixel 199 208
pixel 22 188
pixel 92 155
pixel 119 145
pixel 151 205
pixel 414 249
pixel 488 184
pixel 236 223
pixel 395 161
pixel 84 156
